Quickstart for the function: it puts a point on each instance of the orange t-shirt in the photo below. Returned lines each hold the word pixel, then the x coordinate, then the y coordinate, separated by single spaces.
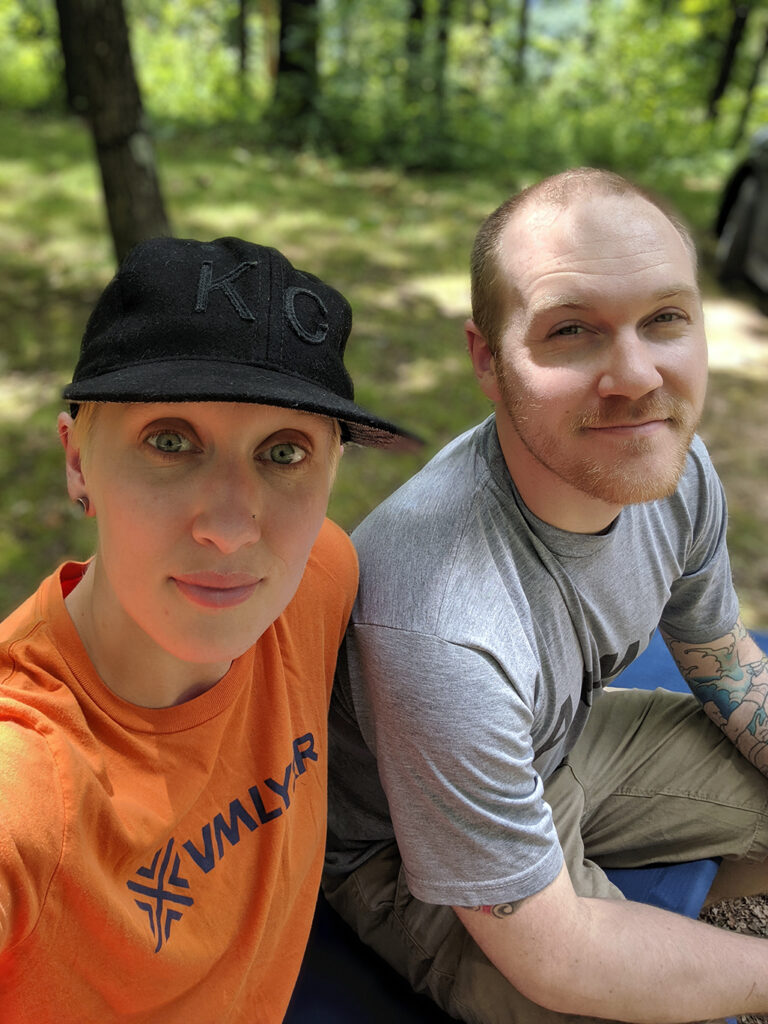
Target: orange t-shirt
pixel 162 865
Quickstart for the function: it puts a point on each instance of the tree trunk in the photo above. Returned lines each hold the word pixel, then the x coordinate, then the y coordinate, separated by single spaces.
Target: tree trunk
pixel 738 24
pixel 522 41
pixel 441 53
pixel 750 92
pixel 102 88
pixel 414 51
pixel 242 45
pixel 296 86
pixel 269 17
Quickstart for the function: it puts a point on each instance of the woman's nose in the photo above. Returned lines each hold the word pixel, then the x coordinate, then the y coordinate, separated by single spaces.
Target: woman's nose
pixel 230 514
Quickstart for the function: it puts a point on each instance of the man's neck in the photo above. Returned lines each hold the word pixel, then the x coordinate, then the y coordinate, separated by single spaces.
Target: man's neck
pixel 550 498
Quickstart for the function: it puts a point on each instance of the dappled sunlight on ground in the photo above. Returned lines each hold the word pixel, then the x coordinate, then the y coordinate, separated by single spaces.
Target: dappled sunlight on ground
pixel 735 428
pixel 21 394
pixel 738 337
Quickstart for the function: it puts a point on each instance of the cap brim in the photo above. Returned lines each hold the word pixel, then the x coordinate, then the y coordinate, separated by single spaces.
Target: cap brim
pixel 215 381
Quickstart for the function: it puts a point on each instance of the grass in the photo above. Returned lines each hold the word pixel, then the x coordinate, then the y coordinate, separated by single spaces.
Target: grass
pixel 396 245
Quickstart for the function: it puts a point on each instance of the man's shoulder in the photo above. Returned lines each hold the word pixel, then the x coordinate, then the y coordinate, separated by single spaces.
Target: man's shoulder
pixel 445 485
pixel 440 491
pixel 443 536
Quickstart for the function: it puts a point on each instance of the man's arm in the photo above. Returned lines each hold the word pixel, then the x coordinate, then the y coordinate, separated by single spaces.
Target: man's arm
pixel 730 678
pixel 619 960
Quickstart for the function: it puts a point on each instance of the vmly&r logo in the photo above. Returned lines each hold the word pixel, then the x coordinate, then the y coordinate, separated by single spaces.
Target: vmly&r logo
pixel 161 888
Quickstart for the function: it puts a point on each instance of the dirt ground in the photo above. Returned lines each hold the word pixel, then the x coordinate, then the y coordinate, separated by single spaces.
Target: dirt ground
pixel 735 428
pixel 748 915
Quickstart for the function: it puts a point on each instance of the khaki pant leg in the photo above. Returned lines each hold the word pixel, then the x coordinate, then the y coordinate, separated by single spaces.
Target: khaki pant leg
pixel 661 783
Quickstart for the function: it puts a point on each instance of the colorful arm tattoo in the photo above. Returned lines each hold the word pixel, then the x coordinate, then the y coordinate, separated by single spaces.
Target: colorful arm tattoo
pixel 730 678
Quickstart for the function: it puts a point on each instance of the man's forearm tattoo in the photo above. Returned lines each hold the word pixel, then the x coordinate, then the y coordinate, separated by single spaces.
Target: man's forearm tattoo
pixel 499 910
pixel 734 694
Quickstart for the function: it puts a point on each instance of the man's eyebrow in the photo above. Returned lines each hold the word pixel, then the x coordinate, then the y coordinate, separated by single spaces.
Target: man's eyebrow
pixel 685 291
pixel 551 303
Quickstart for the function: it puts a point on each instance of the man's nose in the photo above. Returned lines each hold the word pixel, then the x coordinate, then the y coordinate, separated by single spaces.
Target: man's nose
pixel 630 369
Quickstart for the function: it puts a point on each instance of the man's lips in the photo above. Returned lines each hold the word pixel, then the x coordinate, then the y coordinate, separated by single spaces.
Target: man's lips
pixel 217 590
pixel 636 429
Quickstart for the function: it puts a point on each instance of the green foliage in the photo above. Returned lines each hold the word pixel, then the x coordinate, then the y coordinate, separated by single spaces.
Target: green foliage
pixel 29 54
pixel 620 83
pixel 187 61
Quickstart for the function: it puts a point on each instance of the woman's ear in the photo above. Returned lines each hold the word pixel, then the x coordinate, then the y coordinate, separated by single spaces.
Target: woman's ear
pixel 76 486
pixel 483 361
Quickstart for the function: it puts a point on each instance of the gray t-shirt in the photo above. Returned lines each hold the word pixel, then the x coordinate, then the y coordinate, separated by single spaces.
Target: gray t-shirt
pixel 480 637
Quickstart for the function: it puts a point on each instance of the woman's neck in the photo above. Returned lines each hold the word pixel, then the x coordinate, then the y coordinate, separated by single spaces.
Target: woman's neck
pixel 130 663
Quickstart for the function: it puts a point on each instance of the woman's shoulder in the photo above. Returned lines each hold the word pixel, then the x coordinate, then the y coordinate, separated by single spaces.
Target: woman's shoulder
pixel 328 586
pixel 333 557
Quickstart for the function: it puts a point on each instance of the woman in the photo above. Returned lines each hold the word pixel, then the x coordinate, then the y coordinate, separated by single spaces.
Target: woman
pixel 163 706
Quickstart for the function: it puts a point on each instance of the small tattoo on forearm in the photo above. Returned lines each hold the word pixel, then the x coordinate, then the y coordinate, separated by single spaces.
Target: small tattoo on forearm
pixel 497 909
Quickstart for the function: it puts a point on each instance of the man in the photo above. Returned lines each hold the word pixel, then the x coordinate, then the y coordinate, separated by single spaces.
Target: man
pixel 481 777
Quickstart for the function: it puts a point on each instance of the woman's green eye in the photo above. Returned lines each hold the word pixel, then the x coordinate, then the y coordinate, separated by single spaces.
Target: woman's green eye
pixel 169 442
pixel 285 454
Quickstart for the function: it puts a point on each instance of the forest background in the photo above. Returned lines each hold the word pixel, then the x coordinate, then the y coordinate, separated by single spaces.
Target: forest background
pixel 366 139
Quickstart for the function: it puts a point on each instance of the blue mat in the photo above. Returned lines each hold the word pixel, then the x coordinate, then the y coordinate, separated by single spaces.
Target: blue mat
pixel 343 982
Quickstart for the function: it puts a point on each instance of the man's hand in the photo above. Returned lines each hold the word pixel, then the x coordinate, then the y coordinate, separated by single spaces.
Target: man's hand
pixel 729 676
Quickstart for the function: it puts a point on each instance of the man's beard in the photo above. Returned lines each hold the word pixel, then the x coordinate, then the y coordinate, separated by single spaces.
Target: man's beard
pixel 644 469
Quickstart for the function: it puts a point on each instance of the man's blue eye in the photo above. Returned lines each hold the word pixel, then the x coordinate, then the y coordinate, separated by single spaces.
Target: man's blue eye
pixel 169 442
pixel 286 453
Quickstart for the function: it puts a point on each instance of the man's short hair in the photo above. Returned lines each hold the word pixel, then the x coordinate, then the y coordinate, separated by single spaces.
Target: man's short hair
pixel 493 296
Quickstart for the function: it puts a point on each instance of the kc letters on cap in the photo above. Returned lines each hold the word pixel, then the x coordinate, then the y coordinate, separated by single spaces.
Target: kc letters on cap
pixel 227 321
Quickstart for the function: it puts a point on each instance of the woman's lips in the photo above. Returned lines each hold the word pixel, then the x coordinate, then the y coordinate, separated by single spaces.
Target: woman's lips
pixel 217 590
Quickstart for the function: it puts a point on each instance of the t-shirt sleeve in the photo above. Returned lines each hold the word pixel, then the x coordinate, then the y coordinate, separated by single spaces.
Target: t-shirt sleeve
pixel 30 828
pixel 455 758
pixel 703 604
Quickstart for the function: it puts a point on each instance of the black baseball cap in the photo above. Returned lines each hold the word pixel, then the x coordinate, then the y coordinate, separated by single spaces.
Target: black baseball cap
pixel 223 321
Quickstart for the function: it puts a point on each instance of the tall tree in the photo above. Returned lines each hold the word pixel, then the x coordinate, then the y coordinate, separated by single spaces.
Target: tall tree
pixel 443 15
pixel 749 94
pixel 415 36
pixel 523 19
pixel 242 44
pixel 102 88
pixel 295 104
pixel 740 13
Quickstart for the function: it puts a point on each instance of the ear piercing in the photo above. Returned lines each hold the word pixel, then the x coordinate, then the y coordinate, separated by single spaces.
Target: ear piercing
pixel 84 504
